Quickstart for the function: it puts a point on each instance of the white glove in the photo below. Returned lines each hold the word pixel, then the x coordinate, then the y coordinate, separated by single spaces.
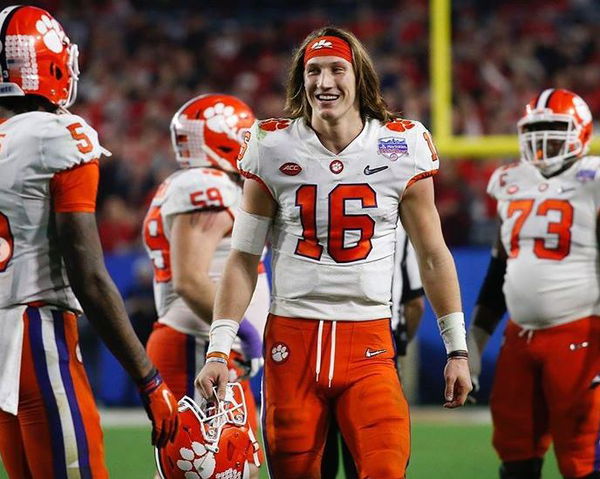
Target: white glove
pixel 477 338
pixel 255 365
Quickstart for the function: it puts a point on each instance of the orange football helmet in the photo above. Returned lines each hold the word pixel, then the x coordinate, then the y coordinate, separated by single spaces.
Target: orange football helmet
pixel 213 440
pixel 209 131
pixel 36 56
pixel 556 129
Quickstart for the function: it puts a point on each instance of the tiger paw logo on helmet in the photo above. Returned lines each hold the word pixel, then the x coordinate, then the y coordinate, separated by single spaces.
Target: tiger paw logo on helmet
pixel 52 33
pixel 221 118
pixel 197 463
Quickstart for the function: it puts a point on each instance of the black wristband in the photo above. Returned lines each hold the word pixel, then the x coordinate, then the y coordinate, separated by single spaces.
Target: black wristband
pixel 148 379
pixel 458 354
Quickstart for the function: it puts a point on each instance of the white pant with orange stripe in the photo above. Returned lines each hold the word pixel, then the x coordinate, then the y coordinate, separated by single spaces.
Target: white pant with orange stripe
pixel 56 433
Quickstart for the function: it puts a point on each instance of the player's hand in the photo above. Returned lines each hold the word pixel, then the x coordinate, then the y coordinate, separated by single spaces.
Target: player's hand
pixel 161 407
pixel 212 375
pixel 477 338
pixel 458 382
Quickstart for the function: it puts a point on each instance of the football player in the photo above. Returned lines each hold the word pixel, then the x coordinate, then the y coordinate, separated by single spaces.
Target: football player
pixel 408 307
pixel 330 183
pixel 545 269
pixel 51 265
pixel 187 236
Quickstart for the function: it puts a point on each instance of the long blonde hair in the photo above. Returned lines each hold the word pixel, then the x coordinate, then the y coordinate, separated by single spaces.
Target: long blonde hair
pixel 368 89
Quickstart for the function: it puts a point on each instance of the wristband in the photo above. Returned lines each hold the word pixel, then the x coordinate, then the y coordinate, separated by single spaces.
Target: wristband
pixel 452 329
pixel 215 359
pixel 222 334
pixel 458 355
pixel 150 382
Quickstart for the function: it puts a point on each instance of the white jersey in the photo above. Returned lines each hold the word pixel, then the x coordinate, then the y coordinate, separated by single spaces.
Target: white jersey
pixel 34 147
pixel 334 232
pixel 549 233
pixel 186 190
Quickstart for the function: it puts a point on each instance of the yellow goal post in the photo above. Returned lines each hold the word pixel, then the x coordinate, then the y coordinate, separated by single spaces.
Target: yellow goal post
pixel 448 144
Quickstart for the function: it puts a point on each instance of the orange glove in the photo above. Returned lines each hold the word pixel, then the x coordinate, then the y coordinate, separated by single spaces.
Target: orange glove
pixel 161 407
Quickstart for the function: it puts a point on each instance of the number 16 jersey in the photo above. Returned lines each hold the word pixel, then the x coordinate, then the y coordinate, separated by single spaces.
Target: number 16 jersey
pixel 333 235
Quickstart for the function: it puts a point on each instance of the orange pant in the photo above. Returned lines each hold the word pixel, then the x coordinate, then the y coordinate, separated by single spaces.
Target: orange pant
pixel 364 394
pixel 57 428
pixel 179 358
pixel 542 393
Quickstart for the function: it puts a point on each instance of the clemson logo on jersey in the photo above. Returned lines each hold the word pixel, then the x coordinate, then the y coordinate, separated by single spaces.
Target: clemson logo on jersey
pixel 280 353
pixel 336 167
pixel 400 125
pixel 290 168
pixel 273 124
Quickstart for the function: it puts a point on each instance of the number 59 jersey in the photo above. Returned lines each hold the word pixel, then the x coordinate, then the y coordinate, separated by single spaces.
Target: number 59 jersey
pixel 35 148
pixel 333 235
pixel 186 190
pixel 549 233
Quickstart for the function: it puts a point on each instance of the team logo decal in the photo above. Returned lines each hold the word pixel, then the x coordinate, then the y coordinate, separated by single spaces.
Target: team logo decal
pixel 392 148
pixel 280 353
pixel 321 44
pixel 585 175
pixel 336 167
pixel 543 187
pixel 512 189
pixel 273 124
pixel 291 169
pixel 400 125
pixel 198 462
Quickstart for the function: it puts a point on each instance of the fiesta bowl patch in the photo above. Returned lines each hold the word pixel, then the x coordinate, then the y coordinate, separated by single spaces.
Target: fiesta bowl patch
pixel 392 148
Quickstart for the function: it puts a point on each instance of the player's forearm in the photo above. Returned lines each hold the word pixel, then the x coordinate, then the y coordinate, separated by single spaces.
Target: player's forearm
pixel 440 281
pixel 105 310
pixel 198 292
pixel 237 286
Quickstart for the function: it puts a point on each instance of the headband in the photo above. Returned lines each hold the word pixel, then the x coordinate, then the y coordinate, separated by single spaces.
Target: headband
pixel 328 46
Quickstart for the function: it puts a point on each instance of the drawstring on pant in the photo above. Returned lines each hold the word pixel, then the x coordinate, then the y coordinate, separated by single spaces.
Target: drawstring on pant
pixel 319 351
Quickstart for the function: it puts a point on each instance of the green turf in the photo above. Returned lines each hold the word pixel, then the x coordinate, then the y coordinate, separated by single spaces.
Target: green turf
pixel 448 451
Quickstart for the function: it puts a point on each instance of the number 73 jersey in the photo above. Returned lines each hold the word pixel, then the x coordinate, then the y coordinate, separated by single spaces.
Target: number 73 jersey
pixel 333 235
pixel 549 233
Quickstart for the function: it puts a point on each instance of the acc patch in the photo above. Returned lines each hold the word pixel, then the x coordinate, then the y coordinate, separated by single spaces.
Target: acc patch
pixel 290 168
pixel 392 148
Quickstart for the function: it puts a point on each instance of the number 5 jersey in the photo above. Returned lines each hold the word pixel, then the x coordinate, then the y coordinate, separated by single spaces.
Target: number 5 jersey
pixel 37 149
pixel 333 235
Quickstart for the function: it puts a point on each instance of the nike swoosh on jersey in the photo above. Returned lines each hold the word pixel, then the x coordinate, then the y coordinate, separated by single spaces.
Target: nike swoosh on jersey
pixel 369 353
pixel 369 171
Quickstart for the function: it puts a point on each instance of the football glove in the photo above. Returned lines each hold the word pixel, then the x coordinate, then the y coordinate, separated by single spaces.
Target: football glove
pixel 161 407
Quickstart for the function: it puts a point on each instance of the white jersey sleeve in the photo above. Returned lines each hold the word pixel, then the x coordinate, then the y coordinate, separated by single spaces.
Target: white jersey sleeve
pixel 200 189
pixel 249 161
pixel 426 159
pixel 67 141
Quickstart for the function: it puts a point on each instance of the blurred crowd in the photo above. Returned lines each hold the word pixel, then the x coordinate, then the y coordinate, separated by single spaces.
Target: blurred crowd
pixel 141 60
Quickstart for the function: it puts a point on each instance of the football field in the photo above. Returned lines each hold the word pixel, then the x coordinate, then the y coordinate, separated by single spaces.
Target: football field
pixel 445 444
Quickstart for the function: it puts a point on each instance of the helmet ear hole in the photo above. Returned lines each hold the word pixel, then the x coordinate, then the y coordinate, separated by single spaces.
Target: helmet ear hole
pixel 55 71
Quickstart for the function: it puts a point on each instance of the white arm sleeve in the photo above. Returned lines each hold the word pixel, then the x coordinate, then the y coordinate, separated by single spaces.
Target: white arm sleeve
pixel 250 232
